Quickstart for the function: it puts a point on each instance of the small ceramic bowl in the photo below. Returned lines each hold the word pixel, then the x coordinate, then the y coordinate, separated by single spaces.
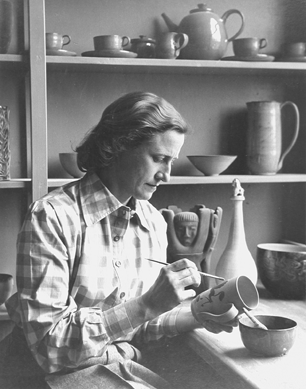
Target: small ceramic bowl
pixel 274 342
pixel 6 286
pixel 282 269
pixel 212 165
pixel 69 164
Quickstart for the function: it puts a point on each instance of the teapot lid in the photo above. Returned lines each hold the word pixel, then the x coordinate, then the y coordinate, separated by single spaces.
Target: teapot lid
pixel 201 8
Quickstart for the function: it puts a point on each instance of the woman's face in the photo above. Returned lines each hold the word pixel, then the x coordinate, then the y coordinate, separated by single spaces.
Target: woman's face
pixel 139 172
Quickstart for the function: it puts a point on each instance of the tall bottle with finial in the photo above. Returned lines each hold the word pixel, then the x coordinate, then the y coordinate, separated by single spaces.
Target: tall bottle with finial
pixel 236 258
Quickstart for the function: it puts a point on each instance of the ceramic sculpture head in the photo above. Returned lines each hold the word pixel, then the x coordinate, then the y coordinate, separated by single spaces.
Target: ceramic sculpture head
pixel 186 227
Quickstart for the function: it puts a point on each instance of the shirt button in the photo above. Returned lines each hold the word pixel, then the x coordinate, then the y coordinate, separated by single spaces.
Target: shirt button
pixel 118 263
pixel 116 238
pixel 123 212
pixel 122 295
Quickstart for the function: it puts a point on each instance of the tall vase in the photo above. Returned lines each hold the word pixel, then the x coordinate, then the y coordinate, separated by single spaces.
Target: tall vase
pixel 236 259
pixel 5 154
pixel 6 25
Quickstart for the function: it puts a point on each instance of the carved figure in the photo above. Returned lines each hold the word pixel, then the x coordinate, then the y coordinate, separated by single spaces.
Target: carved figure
pixel 186 227
pixel 192 234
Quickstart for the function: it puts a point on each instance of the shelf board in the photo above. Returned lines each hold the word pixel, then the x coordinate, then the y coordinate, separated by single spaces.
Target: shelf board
pixel 15 183
pixel 226 179
pixel 140 65
pixel 203 180
pixel 13 61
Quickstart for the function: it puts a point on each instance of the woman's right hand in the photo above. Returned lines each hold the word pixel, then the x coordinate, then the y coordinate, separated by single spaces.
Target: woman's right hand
pixel 169 288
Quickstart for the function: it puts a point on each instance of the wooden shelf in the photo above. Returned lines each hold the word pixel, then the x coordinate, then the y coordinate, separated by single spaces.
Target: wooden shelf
pixel 140 65
pixel 226 179
pixel 204 180
pixel 13 62
pixel 15 183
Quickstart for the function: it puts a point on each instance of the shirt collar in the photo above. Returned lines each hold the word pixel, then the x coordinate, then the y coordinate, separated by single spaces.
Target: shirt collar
pixel 98 202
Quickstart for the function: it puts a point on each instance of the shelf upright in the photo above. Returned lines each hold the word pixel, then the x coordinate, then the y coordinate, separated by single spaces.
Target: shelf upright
pixel 38 98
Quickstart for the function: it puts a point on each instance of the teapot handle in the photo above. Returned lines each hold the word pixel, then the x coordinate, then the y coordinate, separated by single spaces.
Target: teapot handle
pixel 295 133
pixel 227 14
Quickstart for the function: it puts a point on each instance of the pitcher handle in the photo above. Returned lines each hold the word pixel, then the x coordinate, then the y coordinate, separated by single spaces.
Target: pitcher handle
pixel 295 133
pixel 180 40
pixel 227 14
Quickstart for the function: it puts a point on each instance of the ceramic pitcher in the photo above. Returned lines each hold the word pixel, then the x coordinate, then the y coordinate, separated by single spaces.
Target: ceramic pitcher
pixel 169 45
pixel 264 136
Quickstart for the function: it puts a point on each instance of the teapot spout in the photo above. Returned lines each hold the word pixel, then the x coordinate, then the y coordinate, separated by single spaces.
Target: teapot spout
pixel 171 26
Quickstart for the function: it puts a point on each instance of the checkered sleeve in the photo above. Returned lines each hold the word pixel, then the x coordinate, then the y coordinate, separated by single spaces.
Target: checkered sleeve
pixel 162 326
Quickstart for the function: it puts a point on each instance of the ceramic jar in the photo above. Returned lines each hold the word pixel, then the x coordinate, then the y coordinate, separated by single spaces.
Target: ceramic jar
pixel 144 47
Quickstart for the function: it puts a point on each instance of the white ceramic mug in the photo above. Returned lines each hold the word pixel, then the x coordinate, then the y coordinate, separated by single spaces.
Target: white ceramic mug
pixel 55 41
pixel 225 301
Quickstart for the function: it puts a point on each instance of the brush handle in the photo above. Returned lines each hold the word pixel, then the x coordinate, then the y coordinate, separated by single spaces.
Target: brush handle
pixel 254 320
pixel 200 272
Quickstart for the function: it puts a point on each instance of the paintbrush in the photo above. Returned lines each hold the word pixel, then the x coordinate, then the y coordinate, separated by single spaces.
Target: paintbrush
pixel 202 273
pixel 254 319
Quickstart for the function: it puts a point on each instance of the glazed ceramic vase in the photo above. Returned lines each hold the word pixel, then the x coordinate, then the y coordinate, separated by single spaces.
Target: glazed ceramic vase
pixel 265 151
pixel 6 25
pixel 4 144
pixel 236 259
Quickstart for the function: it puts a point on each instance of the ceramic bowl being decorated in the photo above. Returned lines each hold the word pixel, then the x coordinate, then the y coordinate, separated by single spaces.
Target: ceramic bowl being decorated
pixel 211 165
pixel 69 164
pixel 282 269
pixel 274 342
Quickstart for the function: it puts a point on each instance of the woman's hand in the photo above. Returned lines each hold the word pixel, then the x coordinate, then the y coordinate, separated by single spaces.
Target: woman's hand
pixel 169 288
pixel 216 328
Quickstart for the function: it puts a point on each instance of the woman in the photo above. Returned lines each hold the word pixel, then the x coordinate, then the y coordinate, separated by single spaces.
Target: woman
pixel 87 296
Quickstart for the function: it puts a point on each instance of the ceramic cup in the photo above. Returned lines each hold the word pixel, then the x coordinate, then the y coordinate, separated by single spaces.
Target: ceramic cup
pixel 110 42
pixel 223 302
pixel 295 49
pixel 248 47
pixel 55 41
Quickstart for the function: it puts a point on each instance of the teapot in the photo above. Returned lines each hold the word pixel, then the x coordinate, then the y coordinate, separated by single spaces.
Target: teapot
pixel 206 32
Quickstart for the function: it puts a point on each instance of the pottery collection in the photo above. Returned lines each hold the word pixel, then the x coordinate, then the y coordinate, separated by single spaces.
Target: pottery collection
pixel 206 31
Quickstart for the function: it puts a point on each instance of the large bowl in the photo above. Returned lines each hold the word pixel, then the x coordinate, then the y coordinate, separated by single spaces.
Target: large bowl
pixel 282 269
pixel 69 164
pixel 274 342
pixel 211 165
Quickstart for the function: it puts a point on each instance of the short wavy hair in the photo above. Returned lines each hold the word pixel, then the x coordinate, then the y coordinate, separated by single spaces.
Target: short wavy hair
pixel 125 124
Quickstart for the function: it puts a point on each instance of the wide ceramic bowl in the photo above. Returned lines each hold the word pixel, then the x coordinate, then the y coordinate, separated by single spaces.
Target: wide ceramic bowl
pixel 282 269
pixel 211 165
pixel 69 164
pixel 274 342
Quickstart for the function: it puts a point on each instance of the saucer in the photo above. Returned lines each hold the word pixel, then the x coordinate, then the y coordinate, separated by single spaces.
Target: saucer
pixel 110 53
pixel 60 52
pixel 292 59
pixel 256 58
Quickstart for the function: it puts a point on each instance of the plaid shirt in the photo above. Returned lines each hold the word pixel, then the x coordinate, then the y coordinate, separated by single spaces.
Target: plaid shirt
pixel 81 268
